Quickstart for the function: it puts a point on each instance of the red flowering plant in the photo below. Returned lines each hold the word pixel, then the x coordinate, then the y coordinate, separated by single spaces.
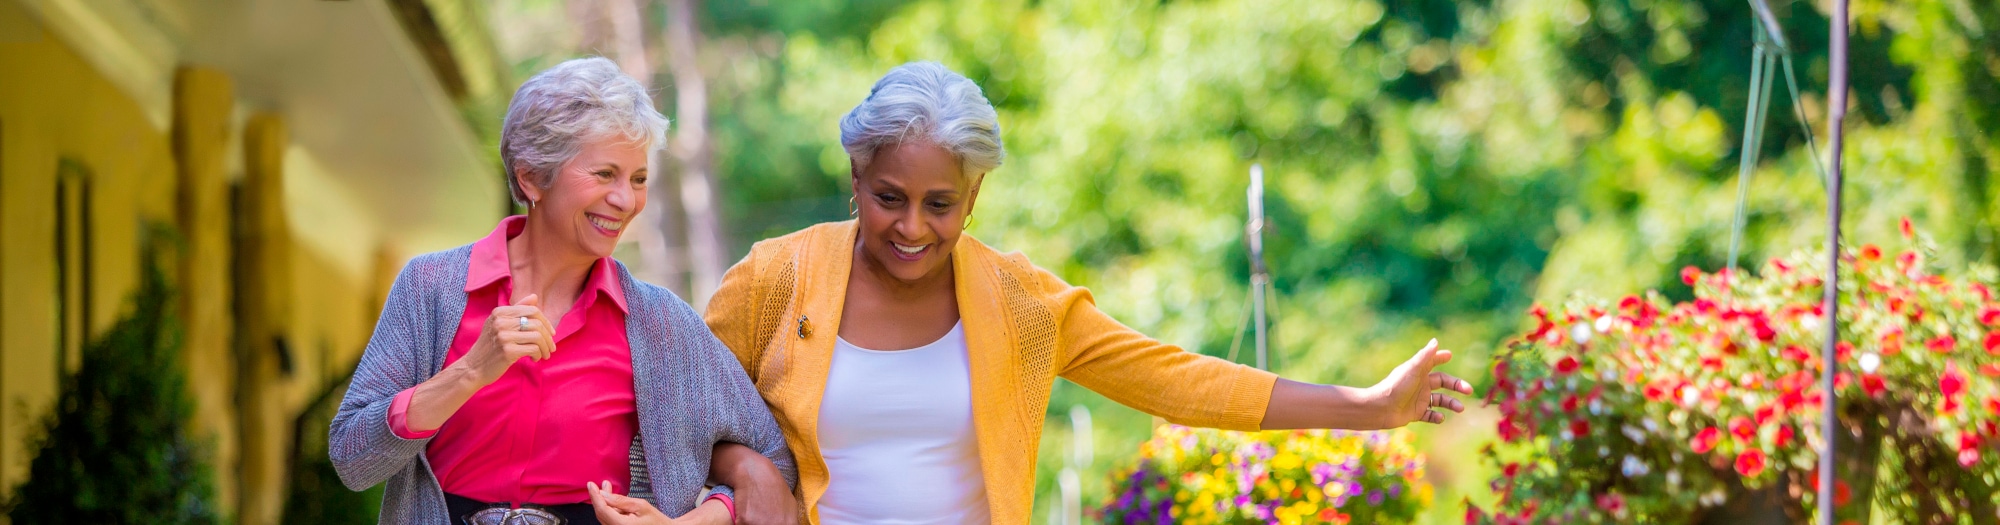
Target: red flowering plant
pixel 1649 411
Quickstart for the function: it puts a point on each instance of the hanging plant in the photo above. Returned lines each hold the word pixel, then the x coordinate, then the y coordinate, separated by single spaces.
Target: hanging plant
pixel 1646 411
pixel 1188 475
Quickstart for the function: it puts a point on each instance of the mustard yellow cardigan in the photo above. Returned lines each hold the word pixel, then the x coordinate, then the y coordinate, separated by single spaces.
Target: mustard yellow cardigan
pixel 779 311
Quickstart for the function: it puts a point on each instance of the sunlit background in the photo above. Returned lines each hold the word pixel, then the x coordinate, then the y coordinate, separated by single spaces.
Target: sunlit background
pixel 1433 168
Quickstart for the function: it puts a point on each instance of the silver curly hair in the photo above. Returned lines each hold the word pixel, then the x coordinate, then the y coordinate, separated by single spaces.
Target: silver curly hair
pixel 574 103
pixel 925 102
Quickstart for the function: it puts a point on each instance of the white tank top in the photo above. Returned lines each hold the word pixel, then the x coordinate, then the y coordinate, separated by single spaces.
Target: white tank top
pixel 895 428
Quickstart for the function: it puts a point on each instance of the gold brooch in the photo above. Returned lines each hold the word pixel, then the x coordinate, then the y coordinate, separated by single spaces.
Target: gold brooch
pixel 805 327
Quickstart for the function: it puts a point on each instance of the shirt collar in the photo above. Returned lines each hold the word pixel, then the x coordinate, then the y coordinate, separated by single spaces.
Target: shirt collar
pixel 489 265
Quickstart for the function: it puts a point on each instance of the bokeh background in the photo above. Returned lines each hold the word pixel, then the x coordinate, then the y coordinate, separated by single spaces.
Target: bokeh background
pixel 1434 167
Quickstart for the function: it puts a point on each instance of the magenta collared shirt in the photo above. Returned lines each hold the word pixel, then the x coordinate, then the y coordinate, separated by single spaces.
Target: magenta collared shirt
pixel 545 427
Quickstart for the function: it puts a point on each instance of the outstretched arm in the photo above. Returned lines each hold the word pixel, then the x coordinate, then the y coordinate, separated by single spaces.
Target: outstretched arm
pixel 1409 394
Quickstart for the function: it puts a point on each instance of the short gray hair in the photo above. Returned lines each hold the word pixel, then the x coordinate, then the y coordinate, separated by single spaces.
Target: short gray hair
pixel 559 110
pixel 925 102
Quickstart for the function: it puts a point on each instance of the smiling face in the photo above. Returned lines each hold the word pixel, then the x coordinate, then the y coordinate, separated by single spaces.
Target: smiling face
pixel 913 200
pixel 592 198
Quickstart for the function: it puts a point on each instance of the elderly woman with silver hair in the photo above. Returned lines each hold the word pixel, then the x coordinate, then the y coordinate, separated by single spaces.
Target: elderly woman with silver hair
pixel 910 365
pixel 526 376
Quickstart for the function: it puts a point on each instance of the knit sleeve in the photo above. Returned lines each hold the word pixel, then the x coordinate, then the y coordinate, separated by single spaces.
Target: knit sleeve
pixel 1157 378
pixel 363 448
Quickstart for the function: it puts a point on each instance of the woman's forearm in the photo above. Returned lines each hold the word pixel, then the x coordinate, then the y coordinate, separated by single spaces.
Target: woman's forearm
pixel 710 512
pixel 436 399
pixel 1305 405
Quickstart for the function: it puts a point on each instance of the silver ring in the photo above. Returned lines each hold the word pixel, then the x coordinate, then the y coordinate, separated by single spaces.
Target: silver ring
pixel 523 324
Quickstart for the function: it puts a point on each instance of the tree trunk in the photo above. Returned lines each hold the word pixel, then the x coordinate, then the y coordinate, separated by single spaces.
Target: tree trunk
pixel 616 28
pixel 708 255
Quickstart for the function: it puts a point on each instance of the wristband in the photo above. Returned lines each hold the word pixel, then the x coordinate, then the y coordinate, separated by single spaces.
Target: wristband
pixel 727 503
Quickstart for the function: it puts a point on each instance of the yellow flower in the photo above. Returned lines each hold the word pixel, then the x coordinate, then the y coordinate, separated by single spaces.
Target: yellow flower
pixel 1285 461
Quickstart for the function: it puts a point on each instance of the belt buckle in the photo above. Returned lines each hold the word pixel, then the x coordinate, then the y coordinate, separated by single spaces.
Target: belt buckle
pixel 522 516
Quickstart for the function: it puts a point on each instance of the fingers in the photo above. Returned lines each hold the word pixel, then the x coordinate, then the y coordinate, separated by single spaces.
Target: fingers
pixel 1447 403
pixel 1444 381
pixel 530 300
pixel 508 332
pixel 1432 417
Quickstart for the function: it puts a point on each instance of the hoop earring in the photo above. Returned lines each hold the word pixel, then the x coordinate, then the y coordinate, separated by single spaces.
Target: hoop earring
pixel 853 210
pixel 968 222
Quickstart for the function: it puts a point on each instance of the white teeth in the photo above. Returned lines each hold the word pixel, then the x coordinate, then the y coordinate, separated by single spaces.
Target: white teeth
pixel 910 250
pixel 608 225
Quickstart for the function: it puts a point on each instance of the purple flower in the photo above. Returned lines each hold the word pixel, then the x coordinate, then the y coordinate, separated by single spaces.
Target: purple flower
pixel 1375 497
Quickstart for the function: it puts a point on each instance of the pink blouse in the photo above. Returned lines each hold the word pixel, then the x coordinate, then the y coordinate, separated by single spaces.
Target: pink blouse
pixel 545 427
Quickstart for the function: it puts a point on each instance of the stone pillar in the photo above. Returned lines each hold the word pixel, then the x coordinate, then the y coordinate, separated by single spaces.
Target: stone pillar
pixel 268 358
pixel 203 101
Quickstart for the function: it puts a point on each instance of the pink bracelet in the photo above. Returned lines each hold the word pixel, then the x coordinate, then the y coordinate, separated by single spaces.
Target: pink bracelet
pixel 727 503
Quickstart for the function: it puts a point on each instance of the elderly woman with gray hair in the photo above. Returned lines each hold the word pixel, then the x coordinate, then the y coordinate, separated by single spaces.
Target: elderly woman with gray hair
pixel 527 376
pixel 910 365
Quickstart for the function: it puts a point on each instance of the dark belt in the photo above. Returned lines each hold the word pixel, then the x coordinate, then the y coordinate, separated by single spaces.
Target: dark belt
pixel 470 511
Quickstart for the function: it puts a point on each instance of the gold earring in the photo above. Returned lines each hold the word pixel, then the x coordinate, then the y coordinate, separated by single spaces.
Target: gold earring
pixel 968 222
pixel 853 210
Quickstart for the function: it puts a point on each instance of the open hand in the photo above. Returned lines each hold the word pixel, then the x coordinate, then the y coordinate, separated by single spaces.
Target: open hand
pixel 1410 393
pixel 613 509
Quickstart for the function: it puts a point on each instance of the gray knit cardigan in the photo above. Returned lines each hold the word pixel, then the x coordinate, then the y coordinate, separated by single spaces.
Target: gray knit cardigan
pixel 690 391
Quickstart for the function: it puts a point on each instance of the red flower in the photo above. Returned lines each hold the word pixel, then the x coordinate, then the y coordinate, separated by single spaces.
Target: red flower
pixel 1990 314
pixel 1780 265
pixel 1611 503
pixel 1766 414
pixel 1784 438
pixel 1760 324
pixel 1659 391
pixel 1579 428
pixel 1908 232
pixel 1511 470
pixel 1872 384
pixel 1892 341
pixel 1690 275
pixel 1870 253
pixel 1841 493
pixel 1907 262
pixel 1705 440
pixel 1992 343
pixel 1968 449
pixel 1751 463
pixel 1985 294
pixel 1795 353
pixel 1990 370
pixel 1567 365
pixel 1742 428
pixel 1951 384
pixel 1942 344
pixel 1569 403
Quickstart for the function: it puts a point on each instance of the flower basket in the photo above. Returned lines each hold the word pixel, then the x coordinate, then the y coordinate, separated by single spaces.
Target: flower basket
pixel 1646 411
pixel 1187 475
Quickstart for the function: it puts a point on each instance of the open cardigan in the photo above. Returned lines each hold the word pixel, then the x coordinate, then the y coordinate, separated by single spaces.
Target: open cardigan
pixel 690 394
pixel 779 310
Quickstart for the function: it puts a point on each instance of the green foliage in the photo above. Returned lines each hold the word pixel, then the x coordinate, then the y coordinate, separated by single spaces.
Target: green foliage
pixel 116 448
pixel 1433 165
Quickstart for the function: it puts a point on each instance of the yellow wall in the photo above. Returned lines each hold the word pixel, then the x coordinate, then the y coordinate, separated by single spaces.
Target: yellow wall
pixel 54 106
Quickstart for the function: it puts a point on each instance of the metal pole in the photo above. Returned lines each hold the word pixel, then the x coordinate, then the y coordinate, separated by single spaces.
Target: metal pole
pixel 1836 113
pixel 1260 276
